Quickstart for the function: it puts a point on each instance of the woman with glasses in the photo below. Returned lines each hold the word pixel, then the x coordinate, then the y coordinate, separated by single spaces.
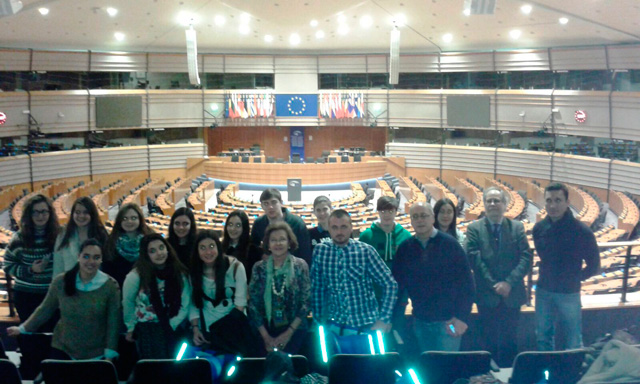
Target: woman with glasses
pixel 84 224
pixel 236 241
pixel 279 292
pixel 29 253
pixel 446 214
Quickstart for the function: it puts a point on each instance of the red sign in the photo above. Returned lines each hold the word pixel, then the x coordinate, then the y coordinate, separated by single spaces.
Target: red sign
pixel 3 118
pixel 581 116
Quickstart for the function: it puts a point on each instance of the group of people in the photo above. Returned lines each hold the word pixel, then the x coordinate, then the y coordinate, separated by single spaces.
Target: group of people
pixel 252 291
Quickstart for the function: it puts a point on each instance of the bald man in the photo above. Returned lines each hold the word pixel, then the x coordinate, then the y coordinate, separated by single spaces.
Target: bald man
pixel 432 270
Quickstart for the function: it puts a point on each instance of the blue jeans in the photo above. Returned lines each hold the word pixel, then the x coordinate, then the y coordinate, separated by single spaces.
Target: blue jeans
pixel 349 341
pixel 563 309
pixel 433 336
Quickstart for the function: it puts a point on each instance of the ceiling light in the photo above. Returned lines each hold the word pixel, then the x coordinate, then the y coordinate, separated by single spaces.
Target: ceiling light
pixel 43 11
pixel 366 21
pixel 343 29
pixel 467 12
pixel 319 34
pixel 342 18
pixel 526 9
pixel 313 23
pixel 563 20
pixel 219 20
pixel 294 39
pixel 245 18
pixel 119 36
pixel 244 29
pixel 112 11
pixel 268 38
pixel 515 34
pixel 447 37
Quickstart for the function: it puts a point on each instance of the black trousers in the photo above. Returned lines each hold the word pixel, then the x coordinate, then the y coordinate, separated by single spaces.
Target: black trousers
pixel 26 303
pixel 499 332
pixel 233 334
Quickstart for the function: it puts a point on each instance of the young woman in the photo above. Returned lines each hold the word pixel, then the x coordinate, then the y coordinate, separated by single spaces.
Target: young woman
pixel 279 292
pixel 29 253
pixel 236 241
pixel 85 224
pixel 322 210
pixel 155 299
pixel 446 214
pixel 219 298
pixel 89 304
pixel 182 234
pixel 123 246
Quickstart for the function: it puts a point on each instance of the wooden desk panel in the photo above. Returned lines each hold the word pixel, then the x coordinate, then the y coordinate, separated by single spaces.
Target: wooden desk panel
pixel 309 173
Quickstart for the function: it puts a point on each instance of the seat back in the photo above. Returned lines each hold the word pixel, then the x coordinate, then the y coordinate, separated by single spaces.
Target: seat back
pixel 250 370
pixel 192 371
pixel 447 367
pixel 34 348
pixel 345 159
pixel 364 369
pixel 563 367
pixel 295 158
pixel 79 372
pixel 9 372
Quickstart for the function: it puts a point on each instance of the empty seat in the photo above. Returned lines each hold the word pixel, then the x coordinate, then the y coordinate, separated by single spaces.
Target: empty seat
pixel 79 372
pixel 192 371
pixel 257 159
pixel 245 159
pixel 9 372
pixel 563 367
pixel 251 370
pixel 310 160
pixel 364 369
pixel 270 159
pixel 344 159
pixel 447 367
pixel 333 160
pixel 234 158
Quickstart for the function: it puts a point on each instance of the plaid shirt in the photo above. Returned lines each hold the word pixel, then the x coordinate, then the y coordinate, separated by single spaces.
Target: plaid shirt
pixel 342 281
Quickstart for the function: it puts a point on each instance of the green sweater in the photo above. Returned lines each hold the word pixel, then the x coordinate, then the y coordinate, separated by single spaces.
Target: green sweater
pixel 385 243
pixel 88 322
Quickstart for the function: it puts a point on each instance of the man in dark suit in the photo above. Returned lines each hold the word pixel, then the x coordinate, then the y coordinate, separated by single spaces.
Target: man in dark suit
pixel 500 255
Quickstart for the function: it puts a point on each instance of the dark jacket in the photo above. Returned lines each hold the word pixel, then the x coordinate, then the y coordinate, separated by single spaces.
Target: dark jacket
pixel 509 261
pixel 562 246
pixel 437 279
pixel 298 227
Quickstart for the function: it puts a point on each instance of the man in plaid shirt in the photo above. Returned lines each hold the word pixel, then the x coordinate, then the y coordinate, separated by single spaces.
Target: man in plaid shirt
pixel 343 274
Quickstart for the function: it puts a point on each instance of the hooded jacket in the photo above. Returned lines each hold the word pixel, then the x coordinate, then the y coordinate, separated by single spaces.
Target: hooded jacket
pixel 385 243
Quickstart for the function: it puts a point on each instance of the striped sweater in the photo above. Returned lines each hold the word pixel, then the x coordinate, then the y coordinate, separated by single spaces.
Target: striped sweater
pixel 18 260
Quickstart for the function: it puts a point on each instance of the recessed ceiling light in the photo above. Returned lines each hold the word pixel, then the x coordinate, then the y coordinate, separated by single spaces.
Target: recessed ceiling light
pixel 343 29
pixel 563 20
pixel 526 9
pixel 366 21
pixel 313 23
pixel 447 37
pixel 467 12
pixel 515 34
pixel 342 18
pixel 319 34
pixel 43 11
pixel 119 36
pixel 219 20
pixel 244 29
pixel 294 39
pixel 112 11
pixel 268 38
pixel 245 18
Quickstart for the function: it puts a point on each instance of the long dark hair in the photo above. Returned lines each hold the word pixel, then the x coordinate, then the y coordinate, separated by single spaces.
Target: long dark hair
pixel 27 228
pixel 452 227
pixel 244 241
pixel 174 240
pixel 221 266
pixel 173 272
pixel 70 275
pixel 96 228
pixel 117 231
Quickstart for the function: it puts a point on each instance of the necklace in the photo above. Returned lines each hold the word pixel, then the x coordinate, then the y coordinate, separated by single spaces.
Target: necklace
pixel 274 289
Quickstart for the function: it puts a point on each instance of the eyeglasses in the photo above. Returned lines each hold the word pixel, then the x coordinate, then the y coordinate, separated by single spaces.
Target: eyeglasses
pixel 420 216
pixel 43 212
pixel 279 241
pixel 388 211
pixel 493 201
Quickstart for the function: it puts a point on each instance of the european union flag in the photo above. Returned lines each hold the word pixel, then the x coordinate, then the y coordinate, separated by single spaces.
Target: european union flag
pixel 297 105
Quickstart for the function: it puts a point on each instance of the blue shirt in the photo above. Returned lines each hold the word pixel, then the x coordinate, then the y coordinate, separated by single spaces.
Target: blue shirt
pixel 342 280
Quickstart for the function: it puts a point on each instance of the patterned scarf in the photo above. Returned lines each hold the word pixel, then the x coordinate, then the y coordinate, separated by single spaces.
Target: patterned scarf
pixel 129 247
pixel 286 270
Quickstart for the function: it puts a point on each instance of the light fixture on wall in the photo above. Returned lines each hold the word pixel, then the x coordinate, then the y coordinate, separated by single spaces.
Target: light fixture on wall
pixel 394 55
pixel 192 56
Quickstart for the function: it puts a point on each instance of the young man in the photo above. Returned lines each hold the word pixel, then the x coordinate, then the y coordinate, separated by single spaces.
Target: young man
pixel 386 235
pixel 563 243
pixel 271 202
pixel 441 301
pixel 343 275
pixel 322 210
